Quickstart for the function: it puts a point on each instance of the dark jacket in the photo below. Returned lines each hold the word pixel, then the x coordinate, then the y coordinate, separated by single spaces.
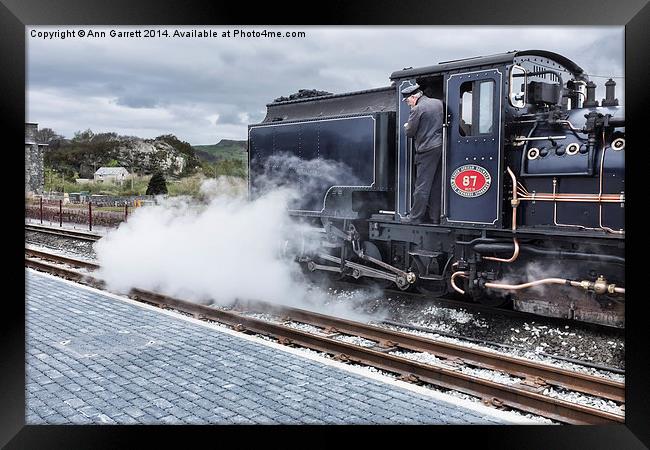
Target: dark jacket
pixel 425 124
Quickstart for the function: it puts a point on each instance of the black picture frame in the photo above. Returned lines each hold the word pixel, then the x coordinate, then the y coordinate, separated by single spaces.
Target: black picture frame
pixel 15 15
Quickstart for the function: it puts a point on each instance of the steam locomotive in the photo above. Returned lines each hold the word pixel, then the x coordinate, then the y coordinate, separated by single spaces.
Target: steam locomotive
pixel 533 195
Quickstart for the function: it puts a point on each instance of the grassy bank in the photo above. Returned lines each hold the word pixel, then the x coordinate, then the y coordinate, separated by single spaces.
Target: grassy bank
pixel 185 186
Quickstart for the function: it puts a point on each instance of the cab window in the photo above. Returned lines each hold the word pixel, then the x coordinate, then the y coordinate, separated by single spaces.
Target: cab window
pixel 518 79
pixel 476 108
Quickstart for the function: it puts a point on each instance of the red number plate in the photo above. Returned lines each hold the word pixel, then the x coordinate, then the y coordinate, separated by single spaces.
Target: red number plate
pixel 470 180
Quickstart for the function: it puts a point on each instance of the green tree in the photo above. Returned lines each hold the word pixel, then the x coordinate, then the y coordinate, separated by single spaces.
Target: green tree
pixel 83 136
pixel 48 136
pixel 157 184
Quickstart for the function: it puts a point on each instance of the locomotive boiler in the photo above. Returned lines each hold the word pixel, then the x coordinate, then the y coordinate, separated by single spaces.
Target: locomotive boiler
pixel 533 195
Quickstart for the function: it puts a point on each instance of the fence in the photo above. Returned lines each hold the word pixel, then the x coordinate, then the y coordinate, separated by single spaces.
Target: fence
pixel 97 199
pixel 53 211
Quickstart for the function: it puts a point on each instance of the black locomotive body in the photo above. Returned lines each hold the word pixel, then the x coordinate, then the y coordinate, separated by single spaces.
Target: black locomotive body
pixel 532 196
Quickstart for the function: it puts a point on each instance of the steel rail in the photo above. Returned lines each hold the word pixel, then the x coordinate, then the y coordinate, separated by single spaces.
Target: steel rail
pixel 64 273
pixel 542 374
pixel 617 396
pixel 459 303
pixel 63 232
pixel 445 377
pixel 528 399
pixel 60 259
pixel 502 345
pixel 588 384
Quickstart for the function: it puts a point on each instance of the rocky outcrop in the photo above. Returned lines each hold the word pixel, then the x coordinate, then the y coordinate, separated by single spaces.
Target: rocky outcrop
pixel 151 155
pixel 88 151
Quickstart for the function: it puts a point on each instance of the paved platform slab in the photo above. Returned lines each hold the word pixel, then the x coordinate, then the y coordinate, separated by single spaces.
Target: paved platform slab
pixel 97 358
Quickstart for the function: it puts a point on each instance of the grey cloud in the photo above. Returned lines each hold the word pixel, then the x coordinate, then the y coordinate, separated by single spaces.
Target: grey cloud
pixel 184 82
pixel 228 115
pixel 137 102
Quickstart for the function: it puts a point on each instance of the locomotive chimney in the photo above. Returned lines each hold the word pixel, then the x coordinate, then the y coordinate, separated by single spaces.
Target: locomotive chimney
pixel 576 92
pixel 610 93
pixel 591 96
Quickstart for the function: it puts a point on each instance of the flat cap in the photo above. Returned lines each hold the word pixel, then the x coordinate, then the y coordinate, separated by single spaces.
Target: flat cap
pixel 410 90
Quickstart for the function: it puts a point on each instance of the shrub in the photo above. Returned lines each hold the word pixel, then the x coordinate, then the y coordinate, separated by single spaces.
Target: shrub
pixel 157 184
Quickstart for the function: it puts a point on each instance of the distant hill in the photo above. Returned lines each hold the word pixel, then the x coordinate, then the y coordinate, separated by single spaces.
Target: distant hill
pixel 224 149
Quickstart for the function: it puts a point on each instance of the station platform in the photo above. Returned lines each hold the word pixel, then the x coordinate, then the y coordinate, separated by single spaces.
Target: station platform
pixel 97 358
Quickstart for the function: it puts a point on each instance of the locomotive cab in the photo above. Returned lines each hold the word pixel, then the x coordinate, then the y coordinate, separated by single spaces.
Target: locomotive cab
pixel 471 91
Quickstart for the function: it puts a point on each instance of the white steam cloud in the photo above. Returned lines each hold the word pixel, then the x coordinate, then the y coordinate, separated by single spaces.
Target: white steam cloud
pixel 309 179
pixel 221 250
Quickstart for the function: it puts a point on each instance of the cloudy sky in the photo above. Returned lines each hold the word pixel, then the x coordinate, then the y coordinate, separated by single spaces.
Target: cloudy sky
pixel 207 89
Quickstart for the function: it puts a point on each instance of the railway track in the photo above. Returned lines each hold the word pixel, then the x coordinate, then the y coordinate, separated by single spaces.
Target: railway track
pixel 388 350
pixel 448 302
pixel 79 235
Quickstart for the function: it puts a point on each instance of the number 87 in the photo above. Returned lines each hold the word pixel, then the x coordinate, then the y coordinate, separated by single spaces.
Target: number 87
pixel 466 179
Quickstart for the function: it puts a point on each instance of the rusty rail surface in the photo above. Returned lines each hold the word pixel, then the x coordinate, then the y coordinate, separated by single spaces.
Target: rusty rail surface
pixel 526 396
pixel 540 374
pixel 63 232
pixel 60 259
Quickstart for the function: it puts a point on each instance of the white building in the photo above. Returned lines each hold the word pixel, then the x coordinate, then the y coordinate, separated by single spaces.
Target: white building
pixel 111 174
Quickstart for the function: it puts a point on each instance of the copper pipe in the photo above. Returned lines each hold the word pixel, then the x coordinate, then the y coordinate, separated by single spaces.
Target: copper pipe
pixel 525 195
pixel 549 198
pixel 453 285
pixel 570 125
pixel 592 197
pixel 566 200
pixel 587 285
pixel 599 198
pixel 600 207
pixel 539 138
pixel 511 259
pixel 582 227
pixel 596 197
pixel 515 201
pixel 516 287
